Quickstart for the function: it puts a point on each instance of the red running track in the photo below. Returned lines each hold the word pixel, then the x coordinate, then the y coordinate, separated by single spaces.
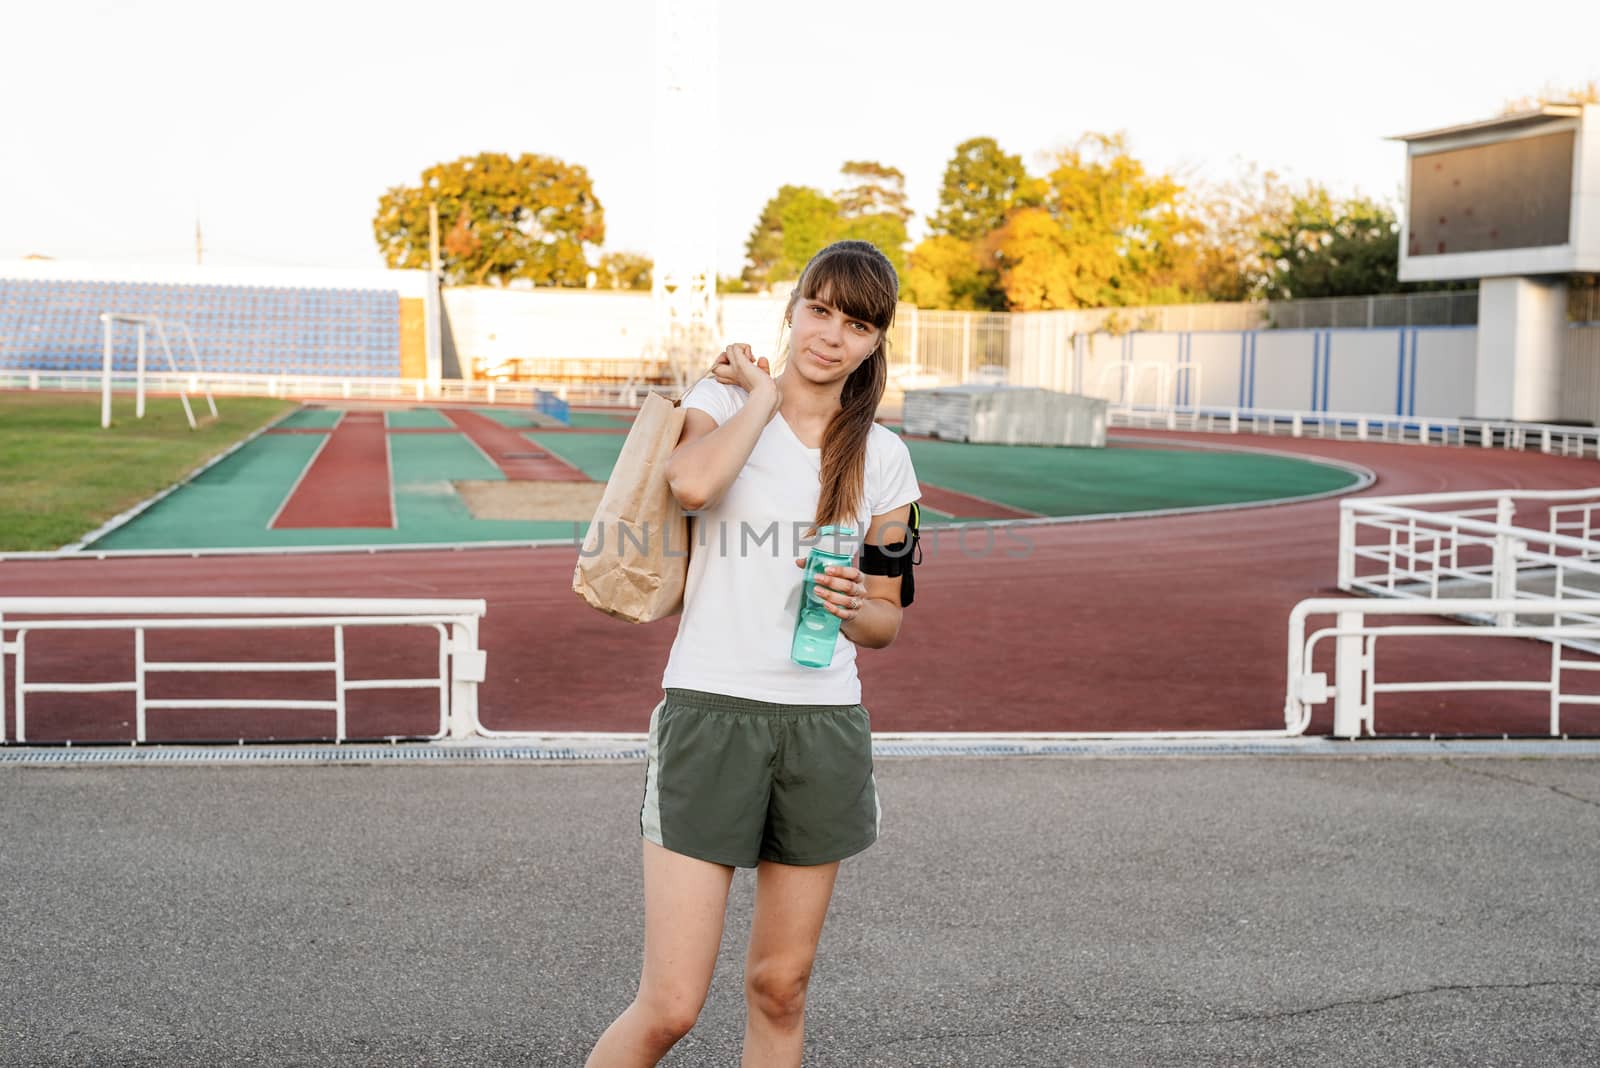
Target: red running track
pixel 338 488
pixel 1176 622
pixel 519 459
pixel 952 503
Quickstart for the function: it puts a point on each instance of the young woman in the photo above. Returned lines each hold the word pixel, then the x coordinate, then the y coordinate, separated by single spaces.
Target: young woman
pixel 755 760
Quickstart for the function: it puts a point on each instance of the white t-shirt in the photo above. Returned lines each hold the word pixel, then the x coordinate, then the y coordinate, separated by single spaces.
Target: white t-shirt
pixel 743 591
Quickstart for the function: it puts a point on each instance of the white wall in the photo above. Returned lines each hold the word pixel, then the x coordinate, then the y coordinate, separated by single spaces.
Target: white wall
pixel 1443 384
pixel 1363 369
pixel 1220 357
pixel 1389 371
pixel 1155 362
pixel 1101 354
pixel 492 324
pixel 754 320
pixel 1521 340
pixel 1283 369
pixel 1586 190
pixel 1043 353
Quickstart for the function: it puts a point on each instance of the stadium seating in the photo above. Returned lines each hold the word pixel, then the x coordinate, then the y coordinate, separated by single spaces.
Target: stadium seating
pixel 55 325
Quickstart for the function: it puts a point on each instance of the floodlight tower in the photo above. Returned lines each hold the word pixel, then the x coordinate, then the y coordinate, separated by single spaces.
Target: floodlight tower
pixel 684 247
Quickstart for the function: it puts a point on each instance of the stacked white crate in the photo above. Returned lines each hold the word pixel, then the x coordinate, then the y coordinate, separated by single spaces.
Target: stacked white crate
pixel 1005 415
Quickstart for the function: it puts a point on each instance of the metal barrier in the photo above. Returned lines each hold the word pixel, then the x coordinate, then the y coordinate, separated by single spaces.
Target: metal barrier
pixel 1356 686
pixel 1360 426
pixel 329 387
pixel 1460 545
pixel 460 662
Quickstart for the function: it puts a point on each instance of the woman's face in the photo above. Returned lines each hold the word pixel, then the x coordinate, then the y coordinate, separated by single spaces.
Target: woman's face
pixel 825 344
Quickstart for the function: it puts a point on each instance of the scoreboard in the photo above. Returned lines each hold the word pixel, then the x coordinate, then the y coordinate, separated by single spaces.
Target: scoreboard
pixel 1519 195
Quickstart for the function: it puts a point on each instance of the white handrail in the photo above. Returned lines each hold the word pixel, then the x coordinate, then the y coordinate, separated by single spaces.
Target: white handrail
pixel 255 606
pixel 1404 499
pixel 1402 429
pixel 1422 546
pixel 1355 663
pixel 1466 523
pixel 460 663
pixel 323 387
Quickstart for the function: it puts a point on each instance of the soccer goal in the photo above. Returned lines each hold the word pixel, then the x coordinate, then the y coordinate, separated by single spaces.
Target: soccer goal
pixel 144 325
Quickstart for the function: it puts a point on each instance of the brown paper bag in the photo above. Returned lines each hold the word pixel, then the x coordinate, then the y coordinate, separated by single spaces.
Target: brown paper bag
pixel 635 556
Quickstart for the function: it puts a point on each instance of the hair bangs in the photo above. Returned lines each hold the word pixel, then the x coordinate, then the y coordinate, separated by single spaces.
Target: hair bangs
pixel 854 282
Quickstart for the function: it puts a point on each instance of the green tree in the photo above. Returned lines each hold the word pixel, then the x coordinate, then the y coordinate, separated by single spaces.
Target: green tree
pixel 794 225
pixel 623 270
pixel 957 265
pixel 1108 233
pixel 872 189
pixel 982 184
pixel 1325 247
pixel 873 207
pixel 884 231
pixel 527 217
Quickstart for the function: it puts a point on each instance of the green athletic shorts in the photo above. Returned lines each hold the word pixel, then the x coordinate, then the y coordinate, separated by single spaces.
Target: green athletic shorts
pixel 735 782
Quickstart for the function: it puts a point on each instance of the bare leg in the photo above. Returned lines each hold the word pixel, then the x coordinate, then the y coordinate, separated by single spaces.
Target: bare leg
pixel 791 903
pixel 684 903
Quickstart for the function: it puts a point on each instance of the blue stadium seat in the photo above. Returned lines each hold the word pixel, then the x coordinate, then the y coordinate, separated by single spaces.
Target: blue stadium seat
pixel 246 329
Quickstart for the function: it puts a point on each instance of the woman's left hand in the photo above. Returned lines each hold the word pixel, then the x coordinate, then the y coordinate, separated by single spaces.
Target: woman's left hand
pixel 840 588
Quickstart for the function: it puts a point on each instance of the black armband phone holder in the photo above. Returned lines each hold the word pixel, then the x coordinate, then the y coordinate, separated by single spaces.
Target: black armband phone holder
pixel 899 558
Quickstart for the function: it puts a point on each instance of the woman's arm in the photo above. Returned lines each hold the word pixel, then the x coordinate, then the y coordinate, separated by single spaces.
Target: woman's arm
pixel 708 457
pixel 869 605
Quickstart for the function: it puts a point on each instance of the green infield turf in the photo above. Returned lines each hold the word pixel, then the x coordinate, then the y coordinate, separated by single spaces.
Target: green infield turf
pixel 232 504
pixel 64 476
pixel 417 419
pixel 313 419
pixel 599 421
pixel 1068 482
pixel 593 454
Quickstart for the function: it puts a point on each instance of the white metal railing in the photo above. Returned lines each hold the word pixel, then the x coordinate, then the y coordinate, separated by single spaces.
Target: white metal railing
pixel 336 387
pixel 1363 426
pixel 1346 426
pixel 460 663
pixel 1356 686
pixel 1456 545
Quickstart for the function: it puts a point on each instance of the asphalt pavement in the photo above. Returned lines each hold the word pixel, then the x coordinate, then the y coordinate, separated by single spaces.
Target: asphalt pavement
pixel 1238 910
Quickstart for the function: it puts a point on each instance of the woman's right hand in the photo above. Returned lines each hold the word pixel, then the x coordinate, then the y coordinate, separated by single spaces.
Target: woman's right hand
pixel 737 366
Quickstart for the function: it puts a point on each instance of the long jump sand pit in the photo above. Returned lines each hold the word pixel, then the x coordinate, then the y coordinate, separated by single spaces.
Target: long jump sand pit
pixel 575 501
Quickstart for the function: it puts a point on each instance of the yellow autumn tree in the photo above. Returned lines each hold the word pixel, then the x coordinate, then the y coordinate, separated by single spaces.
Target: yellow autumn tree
pixel 1108 233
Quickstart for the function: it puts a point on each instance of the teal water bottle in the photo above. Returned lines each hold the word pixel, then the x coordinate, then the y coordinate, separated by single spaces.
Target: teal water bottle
pixel 817 628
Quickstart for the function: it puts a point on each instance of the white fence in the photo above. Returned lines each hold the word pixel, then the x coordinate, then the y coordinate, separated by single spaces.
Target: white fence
pixel 1356 686
pixel 328 387
pixel 1460 557
pixel 1357 426
pixel 1470 545
pixel 459 668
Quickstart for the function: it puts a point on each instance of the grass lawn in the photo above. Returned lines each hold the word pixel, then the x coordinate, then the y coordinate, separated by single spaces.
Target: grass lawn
pixel 62 476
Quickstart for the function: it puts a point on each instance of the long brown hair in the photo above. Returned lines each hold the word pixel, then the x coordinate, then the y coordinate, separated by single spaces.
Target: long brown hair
pixel 856 278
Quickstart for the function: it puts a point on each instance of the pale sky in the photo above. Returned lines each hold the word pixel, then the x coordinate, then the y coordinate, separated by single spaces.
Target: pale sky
pixel 280 124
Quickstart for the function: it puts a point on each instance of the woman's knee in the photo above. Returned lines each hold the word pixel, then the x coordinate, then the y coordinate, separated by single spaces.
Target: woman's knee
pixel 777 989
pixel 668 1016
